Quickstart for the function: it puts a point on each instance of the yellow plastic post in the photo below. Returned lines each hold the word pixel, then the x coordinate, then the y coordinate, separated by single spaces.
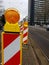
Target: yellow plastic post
pixel 25 32
pixel 25 24
pixel 12 17
pixel 11 27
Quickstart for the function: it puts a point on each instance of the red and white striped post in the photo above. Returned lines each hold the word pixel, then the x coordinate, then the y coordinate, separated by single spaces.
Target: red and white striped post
pixel 25 33
pixel 11 48
pixel 21 28
pixel 11 41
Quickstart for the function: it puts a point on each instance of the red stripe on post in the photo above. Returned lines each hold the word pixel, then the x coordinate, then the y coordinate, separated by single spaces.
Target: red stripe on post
pixel 26 34
pixel 15 60
pixel 25 41
pixel 8 38
pixel 25 28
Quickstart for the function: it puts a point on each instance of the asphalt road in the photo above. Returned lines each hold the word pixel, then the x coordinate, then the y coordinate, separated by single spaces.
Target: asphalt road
pixel 42 39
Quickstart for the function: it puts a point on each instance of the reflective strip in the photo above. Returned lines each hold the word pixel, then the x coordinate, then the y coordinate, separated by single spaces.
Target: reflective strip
pixel 26 34
pixel 25 38
pixel 12 49
pixel 21 28
pixel 25 31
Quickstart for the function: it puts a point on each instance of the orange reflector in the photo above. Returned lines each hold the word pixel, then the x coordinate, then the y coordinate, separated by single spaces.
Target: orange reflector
pixel 12 16
pixel 26 24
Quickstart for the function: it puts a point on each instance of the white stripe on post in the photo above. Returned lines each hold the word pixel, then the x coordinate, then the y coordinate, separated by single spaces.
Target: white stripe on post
pixel 11 49
pixel 21 26
pixel 26 30
pixel 25 38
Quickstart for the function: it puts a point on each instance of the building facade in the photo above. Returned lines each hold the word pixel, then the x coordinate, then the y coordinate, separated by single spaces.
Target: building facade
pixel 31 11
pixel 39 11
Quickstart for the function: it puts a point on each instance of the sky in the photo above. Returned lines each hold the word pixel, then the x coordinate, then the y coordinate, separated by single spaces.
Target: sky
pixel 20 5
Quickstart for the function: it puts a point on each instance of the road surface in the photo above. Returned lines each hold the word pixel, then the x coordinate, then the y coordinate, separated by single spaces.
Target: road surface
pixel 42 39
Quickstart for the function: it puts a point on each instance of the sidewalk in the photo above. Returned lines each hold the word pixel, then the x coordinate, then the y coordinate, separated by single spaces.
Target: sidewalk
pixel 33 55
pixel 28 56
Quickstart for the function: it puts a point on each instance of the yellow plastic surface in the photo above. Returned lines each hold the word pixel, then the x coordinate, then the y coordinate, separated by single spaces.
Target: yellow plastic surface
pixel 25 24
pixel 11 27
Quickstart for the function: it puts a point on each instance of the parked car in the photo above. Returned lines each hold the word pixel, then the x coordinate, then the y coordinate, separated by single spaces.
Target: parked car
pixel 47 27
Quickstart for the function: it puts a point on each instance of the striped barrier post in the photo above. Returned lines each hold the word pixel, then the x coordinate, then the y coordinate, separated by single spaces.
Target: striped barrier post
pixel 11 39
pixel 21 28
pixel 11 48
pixel 25 33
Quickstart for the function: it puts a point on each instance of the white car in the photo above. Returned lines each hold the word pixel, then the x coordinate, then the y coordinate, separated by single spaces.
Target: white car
pixel 47 27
